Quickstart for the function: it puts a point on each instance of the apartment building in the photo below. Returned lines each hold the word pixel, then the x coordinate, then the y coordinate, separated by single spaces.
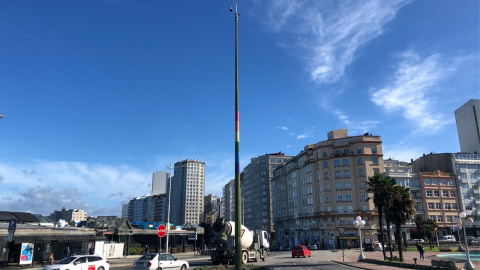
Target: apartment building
pixel 213 208
pixel 466 169
pixel 69 215
pixel 324 188
pixel 402 172
pixel 148 208
pixel 187 192
pixel 441 199
pixel 256 187
pixel 159 182
pixel 228 201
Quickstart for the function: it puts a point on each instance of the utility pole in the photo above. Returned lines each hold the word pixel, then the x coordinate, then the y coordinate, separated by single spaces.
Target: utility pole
pixel 238 206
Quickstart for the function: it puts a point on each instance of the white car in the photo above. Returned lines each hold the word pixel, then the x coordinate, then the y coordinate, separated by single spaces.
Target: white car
pixel 80 262
pixel 162 261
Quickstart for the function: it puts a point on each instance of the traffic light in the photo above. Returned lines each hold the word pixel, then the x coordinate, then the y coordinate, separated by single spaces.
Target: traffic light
pixel 333 236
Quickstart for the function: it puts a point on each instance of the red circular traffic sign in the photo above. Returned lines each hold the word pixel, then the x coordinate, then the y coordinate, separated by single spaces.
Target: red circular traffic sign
pixel 161 230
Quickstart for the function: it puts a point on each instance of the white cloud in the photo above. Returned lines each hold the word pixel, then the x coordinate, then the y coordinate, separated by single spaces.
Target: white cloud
pixel 327 34
pixel 282 128
pixel 413 90
pixel 355 126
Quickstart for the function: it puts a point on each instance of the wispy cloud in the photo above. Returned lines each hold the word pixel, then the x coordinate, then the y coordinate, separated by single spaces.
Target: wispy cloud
pixel 327 34
pixel 353 125
pixel 282 128
pixel 412 92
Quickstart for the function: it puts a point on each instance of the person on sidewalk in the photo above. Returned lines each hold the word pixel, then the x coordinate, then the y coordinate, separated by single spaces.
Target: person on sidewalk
pixel 421 250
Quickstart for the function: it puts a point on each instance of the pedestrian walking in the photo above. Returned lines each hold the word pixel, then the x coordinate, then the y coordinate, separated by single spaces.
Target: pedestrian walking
pixel 421 250
pixel 50 258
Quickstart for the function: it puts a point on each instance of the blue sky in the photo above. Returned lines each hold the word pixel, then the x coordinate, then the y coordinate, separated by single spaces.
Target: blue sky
pixel 96 95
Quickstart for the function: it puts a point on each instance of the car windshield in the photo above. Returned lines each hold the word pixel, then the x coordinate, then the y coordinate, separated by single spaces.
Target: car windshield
pixel 148 257
pixel 66 260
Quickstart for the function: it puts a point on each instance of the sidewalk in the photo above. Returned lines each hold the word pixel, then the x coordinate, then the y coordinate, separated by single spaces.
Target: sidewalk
pixel 408 256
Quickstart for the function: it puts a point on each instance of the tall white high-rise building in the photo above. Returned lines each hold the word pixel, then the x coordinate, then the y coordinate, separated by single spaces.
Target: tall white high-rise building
pixel 187 192
pixel 468 126
pixel 159 182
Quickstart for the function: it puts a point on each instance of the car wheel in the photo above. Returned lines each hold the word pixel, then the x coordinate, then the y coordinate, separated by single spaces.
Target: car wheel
pixel 257 256
pixel 265 255
pixel 100 268
pixel 184 267
pixel 159 268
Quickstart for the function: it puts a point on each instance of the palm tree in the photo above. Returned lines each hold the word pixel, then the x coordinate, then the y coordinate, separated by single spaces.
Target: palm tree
pixel 402 210
pixel 381 186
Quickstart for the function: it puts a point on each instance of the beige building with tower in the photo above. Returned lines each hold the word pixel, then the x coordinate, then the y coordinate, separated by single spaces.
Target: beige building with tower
pixel 321 191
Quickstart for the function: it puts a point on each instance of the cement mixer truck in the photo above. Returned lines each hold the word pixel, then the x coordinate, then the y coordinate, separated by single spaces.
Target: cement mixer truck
pixel 255 244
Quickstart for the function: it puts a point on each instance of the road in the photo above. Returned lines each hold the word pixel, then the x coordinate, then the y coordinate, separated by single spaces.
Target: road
pixel 320 259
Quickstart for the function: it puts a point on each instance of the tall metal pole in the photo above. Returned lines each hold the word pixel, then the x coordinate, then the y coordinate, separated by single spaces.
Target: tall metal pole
pixel 238 207
pixel 168 215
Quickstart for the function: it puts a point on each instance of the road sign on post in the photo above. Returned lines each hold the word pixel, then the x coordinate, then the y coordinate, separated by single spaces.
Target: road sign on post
pixel 161 230
pixel 341 230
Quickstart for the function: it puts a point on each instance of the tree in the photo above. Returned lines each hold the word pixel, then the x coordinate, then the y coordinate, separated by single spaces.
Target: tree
pixel 401 210
pixel 382 188
pixel 427 227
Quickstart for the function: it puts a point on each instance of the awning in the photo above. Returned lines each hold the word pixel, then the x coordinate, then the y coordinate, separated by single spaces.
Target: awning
pixel 55 238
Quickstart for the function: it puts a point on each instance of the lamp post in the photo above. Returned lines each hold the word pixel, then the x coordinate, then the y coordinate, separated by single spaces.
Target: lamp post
pixel 168 215
pixel 389 231
pixel 466 222
pixel 359 223
pixel 458 221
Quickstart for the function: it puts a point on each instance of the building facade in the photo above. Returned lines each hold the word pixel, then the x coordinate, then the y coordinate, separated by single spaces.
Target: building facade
pixel 187 192
pixel 159 182
pixel 213 209
pixel 468 126
pixel 441 199
pixel 466 168
pixel 148 208
pixel 324 188
pixel 256 198
pixel 69 215
pixel 228 201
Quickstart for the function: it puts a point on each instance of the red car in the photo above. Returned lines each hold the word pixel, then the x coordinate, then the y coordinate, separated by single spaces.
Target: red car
pixel 300 250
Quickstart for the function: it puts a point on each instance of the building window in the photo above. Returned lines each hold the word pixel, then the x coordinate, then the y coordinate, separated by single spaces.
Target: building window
pixel 434 181
pixel 359 150
pixel 364 207
pixel 430 206
pixel 336 162
pixel 374 149
pixel 374 160
pixel 342 221
pixel 349 209
pixel 340 209
pixel 348 197
pixel 427 181
pixel 327 198
pixel 360 160
pixel 338 186
pixel 447 206
pixel 325 164
pixel 348 185
pixel 337 174
pixel 453 194
pixel 361 173
pixel 439 218
pixel 432 217
pixel 327 186
pixel 325 175
pixel 346 173
pixel 449 219
pixel 438 206
pixel 454 206
pixel 436 193
pixel 325 154
pixel 429 193
pixel 364 196
pixel 345 161
pixel 339 198
pixel 445 193
pixel 362 184
pixel 329 209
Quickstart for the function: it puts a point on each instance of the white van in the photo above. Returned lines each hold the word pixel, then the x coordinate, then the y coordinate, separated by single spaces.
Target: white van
pixel 448 238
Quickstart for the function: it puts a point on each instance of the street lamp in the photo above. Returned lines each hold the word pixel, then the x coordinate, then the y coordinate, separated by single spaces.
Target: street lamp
pixel 359 223
pixel 458 221
pixel 466 222
pixel 389 232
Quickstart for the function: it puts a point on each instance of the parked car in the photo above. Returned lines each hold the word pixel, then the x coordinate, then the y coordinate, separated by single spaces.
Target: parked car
pixel 154 261
pixel 300 250
pixel 80 262
pixel 378 246
pixel 369 247
pixel 417 240
pixel 474 242
pixel 312 247
pixel 448 238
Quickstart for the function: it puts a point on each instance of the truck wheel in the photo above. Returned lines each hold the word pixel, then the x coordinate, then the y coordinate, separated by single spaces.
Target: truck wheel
pixel 257 256
pixel 265 255
pixel 244 257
